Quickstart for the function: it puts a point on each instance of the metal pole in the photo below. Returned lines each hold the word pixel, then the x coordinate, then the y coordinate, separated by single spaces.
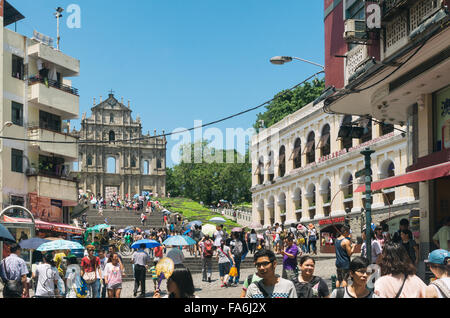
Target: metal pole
pixel 368 181
pixel 57 30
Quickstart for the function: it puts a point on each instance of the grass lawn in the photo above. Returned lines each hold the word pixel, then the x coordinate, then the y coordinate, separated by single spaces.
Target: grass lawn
pixel 193 211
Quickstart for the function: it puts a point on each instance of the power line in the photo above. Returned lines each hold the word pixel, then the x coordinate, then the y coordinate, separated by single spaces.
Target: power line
pixel 166 134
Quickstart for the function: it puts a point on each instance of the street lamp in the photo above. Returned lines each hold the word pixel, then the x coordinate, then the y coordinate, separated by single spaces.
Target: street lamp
pixel 6 124
pixel 58 15
pixel 280 60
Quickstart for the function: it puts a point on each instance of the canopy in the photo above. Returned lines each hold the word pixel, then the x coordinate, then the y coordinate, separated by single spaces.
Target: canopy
pixel 148 244
pixel 218 220
pixel 41 225
pixel 98 228
pixel 429 173
pixel 208 229
pixel 33 243
pixel 179 240
pixel 5 235
pixel 60 245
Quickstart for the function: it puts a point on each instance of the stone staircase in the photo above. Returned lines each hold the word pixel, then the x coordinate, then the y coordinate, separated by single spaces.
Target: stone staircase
pixel 123 218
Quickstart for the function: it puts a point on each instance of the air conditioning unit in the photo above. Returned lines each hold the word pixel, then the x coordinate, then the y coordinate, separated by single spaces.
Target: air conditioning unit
pixel 355 30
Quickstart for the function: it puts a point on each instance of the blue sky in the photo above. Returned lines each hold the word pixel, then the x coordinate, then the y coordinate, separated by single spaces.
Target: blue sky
pixel 183 60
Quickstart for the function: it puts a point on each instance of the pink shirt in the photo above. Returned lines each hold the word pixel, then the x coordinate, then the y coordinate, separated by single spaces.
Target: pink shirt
pixel 388 286
pixel 113 274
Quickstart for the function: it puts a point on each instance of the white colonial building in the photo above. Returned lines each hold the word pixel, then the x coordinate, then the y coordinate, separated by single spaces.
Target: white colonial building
pixel 302 172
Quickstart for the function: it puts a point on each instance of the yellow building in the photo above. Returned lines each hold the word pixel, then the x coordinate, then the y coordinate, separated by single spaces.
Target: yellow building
pixel 38 101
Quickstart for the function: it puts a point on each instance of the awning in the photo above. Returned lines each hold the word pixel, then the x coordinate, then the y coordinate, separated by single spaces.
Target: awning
pixel 41 225
pixel 429 173
pixel 69 203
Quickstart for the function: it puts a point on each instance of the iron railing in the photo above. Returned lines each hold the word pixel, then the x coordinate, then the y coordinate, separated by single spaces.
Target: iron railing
pixel 52 83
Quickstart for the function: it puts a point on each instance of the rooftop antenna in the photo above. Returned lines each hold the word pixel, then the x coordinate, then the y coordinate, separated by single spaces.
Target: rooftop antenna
pixel 58 16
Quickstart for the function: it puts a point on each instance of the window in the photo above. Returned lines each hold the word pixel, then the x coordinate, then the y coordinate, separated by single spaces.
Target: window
pixel 146 167
pixel 49 121
pixel 366 123
pixel 310 148
pixel 133 162
pixel 112 136
pixel 347 142
pixel 111 165
pixel 17 160
pixel 386 128
pixel 270 167
pixel 158 164
pixel 111 118
pixel 89 160
pixel 324 143
pixel 282 162
pixel 296 153
pixel 17 67
pixel 260 171
pixel 17 113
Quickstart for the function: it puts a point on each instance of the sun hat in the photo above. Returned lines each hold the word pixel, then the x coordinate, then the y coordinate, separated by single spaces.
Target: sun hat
pixel 438 257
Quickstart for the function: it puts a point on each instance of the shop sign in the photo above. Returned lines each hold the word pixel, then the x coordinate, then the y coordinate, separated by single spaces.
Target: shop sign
pixel 443 119
pixel 332 221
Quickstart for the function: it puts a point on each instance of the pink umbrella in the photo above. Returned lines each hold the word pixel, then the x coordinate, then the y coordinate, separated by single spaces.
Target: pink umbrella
pixel 259 236
pixel 237 229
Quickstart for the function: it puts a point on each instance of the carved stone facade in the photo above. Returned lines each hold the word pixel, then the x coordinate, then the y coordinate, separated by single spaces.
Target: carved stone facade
pixel 121 159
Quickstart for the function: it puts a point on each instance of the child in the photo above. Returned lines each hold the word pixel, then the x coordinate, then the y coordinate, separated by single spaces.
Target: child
pixel 152 270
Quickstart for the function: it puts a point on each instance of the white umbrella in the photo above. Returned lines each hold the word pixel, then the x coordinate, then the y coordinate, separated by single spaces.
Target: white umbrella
pixel 218 220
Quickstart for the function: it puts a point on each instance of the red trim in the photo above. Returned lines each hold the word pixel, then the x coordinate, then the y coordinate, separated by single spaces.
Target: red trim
pixel 41 225
pixel 430 173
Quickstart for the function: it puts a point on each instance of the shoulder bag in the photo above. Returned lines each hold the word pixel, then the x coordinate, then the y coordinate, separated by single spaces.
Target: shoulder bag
pixel 401 288
pixel 91 277
pixel 12 288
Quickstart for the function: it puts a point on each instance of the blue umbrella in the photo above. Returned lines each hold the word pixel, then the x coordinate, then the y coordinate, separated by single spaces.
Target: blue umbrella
pixel 136 196
pixel 60 245
pixel 148 244
pixel 187 232
pixel 167 212
pixel 179 240
pixel 33 243
pixel 129 231
pixel 5 235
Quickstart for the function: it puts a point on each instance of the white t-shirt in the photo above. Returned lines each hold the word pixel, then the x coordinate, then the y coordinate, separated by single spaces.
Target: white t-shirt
pixel 218 237
pixel 223 254
pixel 375 250
pixel 443 236
pixel 253 238
pixel 46 278
pixel 73 273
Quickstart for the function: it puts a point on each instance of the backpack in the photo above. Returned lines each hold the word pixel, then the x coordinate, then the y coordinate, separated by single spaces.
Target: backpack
pixel 442 288
pixel 237 248
pixel 208 249
pixel 306 290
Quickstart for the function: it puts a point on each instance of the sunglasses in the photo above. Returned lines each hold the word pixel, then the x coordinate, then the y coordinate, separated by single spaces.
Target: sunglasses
pixel 262 264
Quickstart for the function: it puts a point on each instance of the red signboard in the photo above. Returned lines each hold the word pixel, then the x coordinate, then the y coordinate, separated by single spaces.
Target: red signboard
pixel 2 6
pixel 332 221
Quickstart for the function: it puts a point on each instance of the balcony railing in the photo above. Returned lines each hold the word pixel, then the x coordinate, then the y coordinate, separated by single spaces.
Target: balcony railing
pixel 55 84
pixel 59 172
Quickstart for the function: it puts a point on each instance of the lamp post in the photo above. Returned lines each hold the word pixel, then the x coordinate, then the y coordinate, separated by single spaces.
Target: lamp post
pixel 6 124
pixel 368 181
pixel 280 60
pixel 58 15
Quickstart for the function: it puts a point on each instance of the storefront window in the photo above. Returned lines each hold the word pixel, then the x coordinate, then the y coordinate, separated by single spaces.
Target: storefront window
pixel 441 101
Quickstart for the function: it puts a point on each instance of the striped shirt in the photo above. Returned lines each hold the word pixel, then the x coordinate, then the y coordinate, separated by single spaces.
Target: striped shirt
pixel 153 272
pixel 141 258
pixel 15 267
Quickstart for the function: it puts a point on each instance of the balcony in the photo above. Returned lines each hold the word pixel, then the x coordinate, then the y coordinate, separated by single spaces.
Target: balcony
pixel 402 18
pixel 52 187
pixel 69 66
pixel 68 151
pixel 54 97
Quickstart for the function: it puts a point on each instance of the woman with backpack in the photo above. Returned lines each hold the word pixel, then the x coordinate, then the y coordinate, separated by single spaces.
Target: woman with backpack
pixel 206 246
pixel 225 258
pixel 307 285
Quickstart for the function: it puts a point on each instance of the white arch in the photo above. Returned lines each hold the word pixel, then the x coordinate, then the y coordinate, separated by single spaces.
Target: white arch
pixel 383 171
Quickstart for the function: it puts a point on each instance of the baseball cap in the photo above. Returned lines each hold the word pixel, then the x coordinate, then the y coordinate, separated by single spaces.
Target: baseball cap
pixel 438 257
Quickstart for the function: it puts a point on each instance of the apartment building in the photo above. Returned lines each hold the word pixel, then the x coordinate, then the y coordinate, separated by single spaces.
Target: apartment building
pixel 399 73
pixel 38 102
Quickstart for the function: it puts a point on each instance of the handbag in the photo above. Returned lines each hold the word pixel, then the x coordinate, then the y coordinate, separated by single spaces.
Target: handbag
pixel 12 288
pixel 233 272
pixel 91 277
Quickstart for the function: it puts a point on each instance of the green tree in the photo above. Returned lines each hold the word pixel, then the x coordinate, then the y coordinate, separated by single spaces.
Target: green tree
pixel 289 101
pixel 210 182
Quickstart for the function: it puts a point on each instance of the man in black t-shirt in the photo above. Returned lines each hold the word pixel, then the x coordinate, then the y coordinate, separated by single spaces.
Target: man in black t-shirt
pixel 404 226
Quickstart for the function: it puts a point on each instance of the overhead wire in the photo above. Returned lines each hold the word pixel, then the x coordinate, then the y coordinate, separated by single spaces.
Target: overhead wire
pixel 165 134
